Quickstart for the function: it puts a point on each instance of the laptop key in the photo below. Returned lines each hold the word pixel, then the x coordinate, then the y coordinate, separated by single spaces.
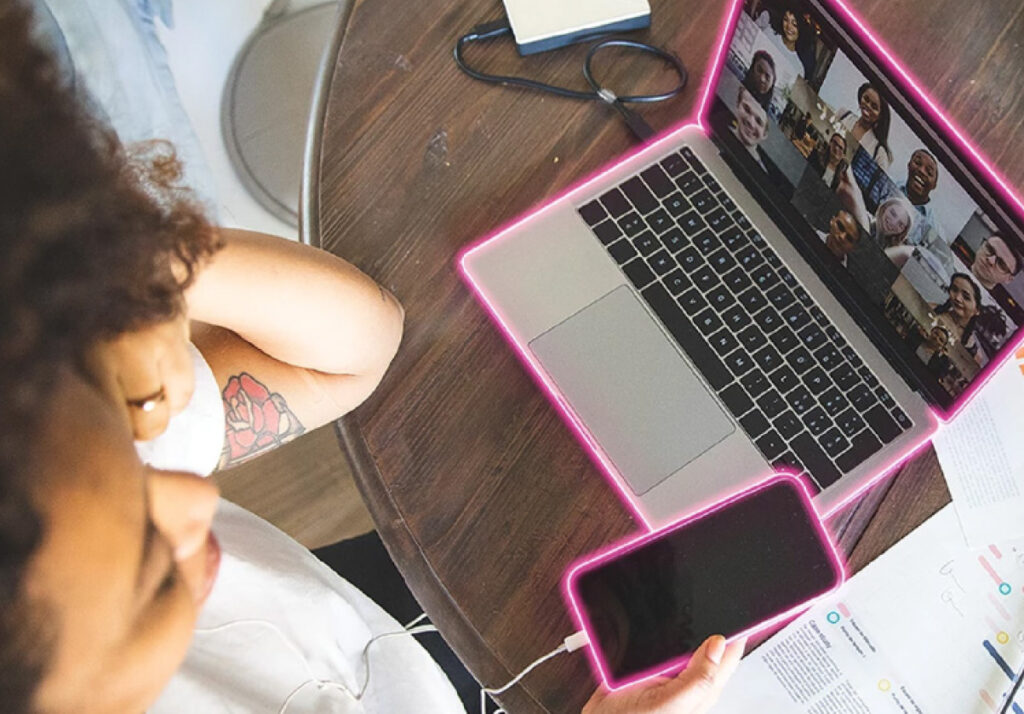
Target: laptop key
pixel 755 383
pixel 817 421
pixel 862 446
pixel 787 277
pixel 692 343
pixel 795 315
pixel 803 296
pixel 708 321
pixel 719 220
pixel 815 460
pixel 784 340
pixel 751 299
pixel 764 277
pixel 640 195
pixel 828 357
pixel 812 337
pixel 735 239
pixel 676 282
pixel 738 281
pixel 845 377
pixel 801 400
pixel 739 362
pixel 692 302
pixel 736 400
pixel 721 299
pixel 850 423
pixel 676 204
pixel 689 259
pixel 692 224
pixel 771 403
pixel 862 398
pixel 767 358
pixel 770 444
pixel 749 257
pixel 833 442
pixel 707 242
pixel 694 162
pixel 819 316
pixel 817 381
pixel 615 203
pixel 784 379
pixel 660 221
pixel 768 320
pixel 788 424
pixel 722 261
pixel 658 180
pixel 607 231
pixel 751 338
pixel 781 297
pixel 882 423
pixel 674 164
pixel 661 262
pixel 638 273
pixel 754 424
pixel 646 243
pixel 834 402
pixel 689 183
pixel 800 360
pixel 736 318
pixel 901 418
pixel 631 224
pixel 622 251
pixel 593 213
pixel 703 201
pixel 724 342
pixel 673 240
pixel 705 278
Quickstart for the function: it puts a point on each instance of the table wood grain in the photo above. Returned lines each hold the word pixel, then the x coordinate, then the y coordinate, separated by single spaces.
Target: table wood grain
pixel 480 492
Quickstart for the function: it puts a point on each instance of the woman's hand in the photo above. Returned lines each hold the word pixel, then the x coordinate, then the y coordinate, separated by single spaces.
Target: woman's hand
pixel 149 371
pixel 692 691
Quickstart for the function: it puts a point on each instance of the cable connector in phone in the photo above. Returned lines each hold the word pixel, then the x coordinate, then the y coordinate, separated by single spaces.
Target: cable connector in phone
pixel 576 641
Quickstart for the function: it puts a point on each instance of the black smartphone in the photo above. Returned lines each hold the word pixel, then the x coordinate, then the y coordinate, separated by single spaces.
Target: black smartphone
pixel 736 567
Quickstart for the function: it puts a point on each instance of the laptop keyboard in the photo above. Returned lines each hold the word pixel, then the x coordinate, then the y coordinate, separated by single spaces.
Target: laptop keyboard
pixel 796 387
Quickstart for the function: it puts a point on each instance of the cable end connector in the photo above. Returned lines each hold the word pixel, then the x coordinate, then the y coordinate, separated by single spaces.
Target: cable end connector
pixel 489 30
pixel 576 641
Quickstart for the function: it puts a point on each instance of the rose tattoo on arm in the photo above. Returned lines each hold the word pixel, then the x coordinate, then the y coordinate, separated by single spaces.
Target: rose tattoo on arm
pixel 257 420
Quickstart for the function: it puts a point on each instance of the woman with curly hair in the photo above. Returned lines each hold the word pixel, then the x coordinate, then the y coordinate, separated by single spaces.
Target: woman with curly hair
pixel 139 347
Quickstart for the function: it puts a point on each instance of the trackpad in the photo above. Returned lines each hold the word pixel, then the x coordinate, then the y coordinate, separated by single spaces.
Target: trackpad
pixel 641 401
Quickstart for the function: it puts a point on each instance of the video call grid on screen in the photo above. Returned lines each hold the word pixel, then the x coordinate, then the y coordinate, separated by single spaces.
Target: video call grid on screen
pixel 882 202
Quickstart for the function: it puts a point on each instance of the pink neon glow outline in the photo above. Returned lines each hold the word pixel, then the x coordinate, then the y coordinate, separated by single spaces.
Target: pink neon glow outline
pixel 588 562
pixel 975 159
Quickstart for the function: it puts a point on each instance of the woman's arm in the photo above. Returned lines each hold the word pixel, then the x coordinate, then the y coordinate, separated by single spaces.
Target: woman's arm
pixel 295 337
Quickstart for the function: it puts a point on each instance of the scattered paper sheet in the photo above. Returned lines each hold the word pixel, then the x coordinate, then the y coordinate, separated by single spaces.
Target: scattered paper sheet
pixel 930 627
pixel 982 456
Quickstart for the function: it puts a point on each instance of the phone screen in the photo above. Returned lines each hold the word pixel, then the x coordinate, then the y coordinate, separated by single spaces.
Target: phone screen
pixel 648 605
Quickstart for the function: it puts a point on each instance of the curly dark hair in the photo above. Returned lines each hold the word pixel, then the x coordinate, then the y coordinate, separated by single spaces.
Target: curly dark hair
pixel 95 240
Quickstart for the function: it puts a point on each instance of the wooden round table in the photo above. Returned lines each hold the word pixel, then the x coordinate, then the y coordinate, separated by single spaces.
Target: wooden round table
pixel 481 494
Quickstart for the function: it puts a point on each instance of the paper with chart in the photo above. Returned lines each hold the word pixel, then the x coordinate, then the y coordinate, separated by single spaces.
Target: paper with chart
pixel 931 627
pixel 982 457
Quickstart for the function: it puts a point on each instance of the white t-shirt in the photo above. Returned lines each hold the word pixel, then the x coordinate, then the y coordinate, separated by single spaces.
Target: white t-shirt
pixel 281 632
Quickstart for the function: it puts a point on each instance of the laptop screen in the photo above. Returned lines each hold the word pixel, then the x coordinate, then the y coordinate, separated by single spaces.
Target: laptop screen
pixel 877 204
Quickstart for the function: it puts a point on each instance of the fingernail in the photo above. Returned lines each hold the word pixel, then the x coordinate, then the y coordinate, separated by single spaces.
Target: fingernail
pixel 716 649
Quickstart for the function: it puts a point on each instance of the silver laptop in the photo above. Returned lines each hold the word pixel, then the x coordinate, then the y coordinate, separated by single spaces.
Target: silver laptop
pixel 810 278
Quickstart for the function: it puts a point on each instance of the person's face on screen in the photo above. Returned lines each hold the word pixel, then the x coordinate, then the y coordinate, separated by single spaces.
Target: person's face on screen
pixel 126 562
pixel 922 177
pixel 751 120
pixel 995 264
pixel 894 220
pixel 764 76
pixel 962 302
pixel 790 27
pixel 836 149
pixel 870 106
pixel 939 338
pixel 843 235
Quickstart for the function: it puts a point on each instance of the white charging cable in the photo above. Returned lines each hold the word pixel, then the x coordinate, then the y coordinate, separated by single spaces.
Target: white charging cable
pixel 570 644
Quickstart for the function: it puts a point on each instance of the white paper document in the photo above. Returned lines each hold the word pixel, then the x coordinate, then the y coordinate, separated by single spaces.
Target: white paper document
pixel 930 627
pixel 982 456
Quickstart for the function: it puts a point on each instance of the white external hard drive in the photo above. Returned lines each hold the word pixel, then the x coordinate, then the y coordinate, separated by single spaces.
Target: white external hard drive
pixel 540 25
